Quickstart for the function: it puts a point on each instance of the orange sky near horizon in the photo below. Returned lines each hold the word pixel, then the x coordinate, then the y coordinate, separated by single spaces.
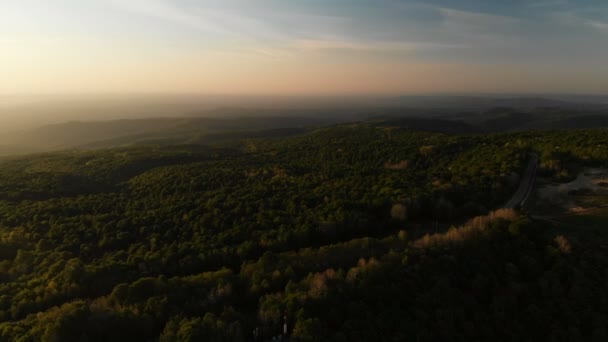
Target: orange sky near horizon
pixel 159 46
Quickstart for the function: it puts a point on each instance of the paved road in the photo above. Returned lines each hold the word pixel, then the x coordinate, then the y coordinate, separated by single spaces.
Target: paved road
pixel 525 186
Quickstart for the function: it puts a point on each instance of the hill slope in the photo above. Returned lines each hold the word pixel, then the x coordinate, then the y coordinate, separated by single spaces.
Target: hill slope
pixel 342 229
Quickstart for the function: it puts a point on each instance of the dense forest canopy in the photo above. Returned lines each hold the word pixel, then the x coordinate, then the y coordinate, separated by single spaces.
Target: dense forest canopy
pixel 324 232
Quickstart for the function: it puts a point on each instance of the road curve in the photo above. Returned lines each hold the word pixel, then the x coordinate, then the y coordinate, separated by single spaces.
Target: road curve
pixel 525 186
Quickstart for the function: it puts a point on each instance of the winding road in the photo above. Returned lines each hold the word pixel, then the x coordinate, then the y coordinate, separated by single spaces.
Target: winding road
pixel 525 186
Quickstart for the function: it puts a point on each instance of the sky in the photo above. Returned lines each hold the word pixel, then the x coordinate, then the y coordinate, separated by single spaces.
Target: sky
pixel 311 47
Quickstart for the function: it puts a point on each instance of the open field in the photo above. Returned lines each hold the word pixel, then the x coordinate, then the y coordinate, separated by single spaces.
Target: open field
pixel 579 204
pixel 588 191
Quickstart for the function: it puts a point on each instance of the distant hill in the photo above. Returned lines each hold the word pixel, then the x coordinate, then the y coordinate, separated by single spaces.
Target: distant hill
pixel 433 125
pixel 578 122
pixel 158 130
pixel 479 102
pixel 445 114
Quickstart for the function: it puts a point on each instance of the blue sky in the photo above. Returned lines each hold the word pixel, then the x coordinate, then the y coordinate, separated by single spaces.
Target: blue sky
pixel 437 45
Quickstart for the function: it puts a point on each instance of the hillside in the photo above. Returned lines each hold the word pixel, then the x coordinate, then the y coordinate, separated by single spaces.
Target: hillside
pixel 170 131
pixel 342 233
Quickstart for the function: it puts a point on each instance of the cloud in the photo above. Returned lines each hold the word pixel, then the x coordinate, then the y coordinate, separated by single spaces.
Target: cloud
pixel 279 29
pixel 547 4
pixel 573 19
pixel 380 46
pixel 599 25
pixel 203 19
pixel 468 22
pixel 278 32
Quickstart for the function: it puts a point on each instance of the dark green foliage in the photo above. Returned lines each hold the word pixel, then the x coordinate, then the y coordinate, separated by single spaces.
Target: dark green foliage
pixel 189 243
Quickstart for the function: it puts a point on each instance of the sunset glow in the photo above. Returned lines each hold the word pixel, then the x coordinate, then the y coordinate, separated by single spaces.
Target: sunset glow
pixel 302 47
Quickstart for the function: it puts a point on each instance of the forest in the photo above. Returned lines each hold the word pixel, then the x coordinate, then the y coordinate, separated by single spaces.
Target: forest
pixel 351 232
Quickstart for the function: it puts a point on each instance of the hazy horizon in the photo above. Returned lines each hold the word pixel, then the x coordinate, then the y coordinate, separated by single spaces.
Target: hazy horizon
pixel 104 60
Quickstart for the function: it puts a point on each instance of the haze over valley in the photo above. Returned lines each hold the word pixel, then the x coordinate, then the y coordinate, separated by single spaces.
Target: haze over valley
pixel 50 123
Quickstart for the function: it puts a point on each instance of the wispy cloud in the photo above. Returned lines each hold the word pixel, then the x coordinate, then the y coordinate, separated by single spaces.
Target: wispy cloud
pixel 574 19
pixel 543 4
pixel 201 18
pixel 380 46
pixel 414 28
pixel 280 33
pixel 477 23
pixel 230 37
pixel 599 25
